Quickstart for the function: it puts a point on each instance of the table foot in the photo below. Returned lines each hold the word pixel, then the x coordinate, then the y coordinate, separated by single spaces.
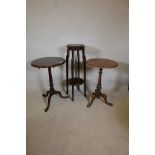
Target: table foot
pixel 59 93
pixel 104 96
pixel 50 94
pixel 49 99
pixel 45 95
pixel 92 99
pixel 98 95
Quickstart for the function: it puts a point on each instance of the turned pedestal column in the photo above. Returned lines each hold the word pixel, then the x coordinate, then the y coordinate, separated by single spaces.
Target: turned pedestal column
pixel 100 63
pixel 49 62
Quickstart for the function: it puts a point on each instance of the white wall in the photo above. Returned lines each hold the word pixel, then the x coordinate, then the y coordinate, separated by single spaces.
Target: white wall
pixel 102 25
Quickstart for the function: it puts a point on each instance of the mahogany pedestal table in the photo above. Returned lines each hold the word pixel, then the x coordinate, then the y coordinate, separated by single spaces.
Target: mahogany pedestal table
pixel 100 63
pixel 49 62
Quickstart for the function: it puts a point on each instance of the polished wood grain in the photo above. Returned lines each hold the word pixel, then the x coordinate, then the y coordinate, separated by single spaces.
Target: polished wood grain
pixel 49 62
pixel 46 62
pixel 102 63
pixel 74 51
pixel 75 46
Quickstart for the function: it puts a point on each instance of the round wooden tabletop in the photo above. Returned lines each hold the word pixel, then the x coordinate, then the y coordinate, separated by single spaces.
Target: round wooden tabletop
pixel 101 63
pixel 75 45
pixel 47 62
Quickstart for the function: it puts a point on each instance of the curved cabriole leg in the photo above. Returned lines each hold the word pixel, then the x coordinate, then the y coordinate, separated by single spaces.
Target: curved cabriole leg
pixel 104 96
pixel 52 91
pixel 59 93
pixel 92 99
pixel 49 99
pixel 45 95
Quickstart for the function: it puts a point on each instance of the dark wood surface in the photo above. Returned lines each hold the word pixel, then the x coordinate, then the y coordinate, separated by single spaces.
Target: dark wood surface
pixel 46 62
pixel 75 45
pixel 49 62
pixel 52 91
pixel 102 63
pixel 97 94
pixel 74 51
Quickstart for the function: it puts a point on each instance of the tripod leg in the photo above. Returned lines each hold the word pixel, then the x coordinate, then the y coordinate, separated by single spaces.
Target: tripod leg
pixel 49 99
pixel 58 92
pixel 104 96
pixel 45 95
pixel 92 99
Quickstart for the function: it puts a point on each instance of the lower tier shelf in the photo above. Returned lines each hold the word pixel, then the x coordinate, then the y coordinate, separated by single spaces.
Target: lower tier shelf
pixel 75 81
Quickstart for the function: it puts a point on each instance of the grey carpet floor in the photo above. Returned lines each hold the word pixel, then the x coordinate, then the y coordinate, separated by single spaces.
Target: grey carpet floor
pixel 69 128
